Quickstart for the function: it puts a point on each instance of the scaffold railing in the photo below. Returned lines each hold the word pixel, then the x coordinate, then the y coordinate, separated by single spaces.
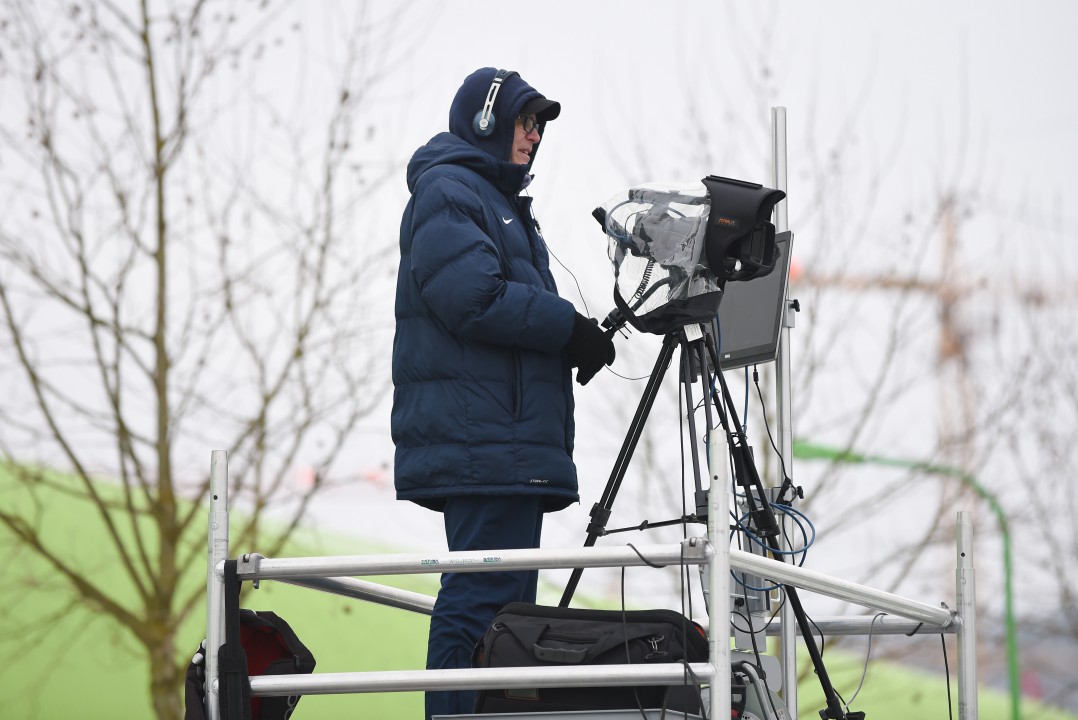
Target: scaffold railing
pixel 335 574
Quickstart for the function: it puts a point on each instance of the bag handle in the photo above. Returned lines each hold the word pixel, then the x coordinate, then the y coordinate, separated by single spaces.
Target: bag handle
pixel 572 651
pixel 568 656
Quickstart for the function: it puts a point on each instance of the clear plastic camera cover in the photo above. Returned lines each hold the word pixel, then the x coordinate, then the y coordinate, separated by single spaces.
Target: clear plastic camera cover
pixel 656 237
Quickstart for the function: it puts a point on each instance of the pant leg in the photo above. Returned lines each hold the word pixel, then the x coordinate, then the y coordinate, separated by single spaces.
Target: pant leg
pixel 468 602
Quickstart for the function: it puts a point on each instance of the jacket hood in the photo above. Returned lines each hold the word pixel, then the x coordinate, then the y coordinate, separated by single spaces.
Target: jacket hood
pixel 448 149
pixel 512 96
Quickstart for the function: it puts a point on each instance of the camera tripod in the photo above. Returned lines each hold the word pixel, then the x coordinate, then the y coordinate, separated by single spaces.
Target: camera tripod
pixel 697 352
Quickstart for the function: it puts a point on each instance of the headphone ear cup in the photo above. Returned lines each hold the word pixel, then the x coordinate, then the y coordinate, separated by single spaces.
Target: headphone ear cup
pixel 479 129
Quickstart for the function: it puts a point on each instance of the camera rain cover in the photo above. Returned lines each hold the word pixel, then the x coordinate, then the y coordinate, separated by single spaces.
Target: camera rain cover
pixel 656 244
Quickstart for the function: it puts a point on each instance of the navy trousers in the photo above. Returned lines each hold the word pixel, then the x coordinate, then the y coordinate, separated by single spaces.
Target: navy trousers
pixel 467 602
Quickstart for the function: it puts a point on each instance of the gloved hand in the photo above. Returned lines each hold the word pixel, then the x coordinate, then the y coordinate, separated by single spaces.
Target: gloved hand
pixel 199 661
pixel 588 348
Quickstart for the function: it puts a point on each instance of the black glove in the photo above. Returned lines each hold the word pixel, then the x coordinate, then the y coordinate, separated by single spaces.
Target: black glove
pixel 588 348
pixel 199 661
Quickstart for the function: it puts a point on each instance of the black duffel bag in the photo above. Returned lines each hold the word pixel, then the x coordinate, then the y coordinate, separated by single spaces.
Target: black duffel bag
pixel 528 635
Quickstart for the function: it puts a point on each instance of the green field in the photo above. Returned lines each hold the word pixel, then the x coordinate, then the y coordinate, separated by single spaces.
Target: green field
pixel 59 659
pixel 62 661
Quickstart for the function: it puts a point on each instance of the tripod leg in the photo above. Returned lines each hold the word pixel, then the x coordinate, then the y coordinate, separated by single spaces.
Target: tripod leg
pixel 701 494
pixel 600 512
pixel 834 708
pixel 687 352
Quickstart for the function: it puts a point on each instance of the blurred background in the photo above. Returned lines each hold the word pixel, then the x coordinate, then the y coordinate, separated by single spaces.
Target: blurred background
pixel 198 224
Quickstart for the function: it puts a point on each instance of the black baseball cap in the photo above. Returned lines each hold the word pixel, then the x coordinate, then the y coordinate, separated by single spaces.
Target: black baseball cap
pixel 542 108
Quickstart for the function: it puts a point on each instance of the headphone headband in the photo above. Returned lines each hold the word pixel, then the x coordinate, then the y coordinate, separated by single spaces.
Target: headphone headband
pixel 484 120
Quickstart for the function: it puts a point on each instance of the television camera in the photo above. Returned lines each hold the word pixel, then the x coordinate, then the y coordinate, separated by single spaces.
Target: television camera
pixel 677 246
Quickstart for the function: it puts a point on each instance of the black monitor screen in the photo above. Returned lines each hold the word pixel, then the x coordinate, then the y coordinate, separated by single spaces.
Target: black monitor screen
pixel 750 314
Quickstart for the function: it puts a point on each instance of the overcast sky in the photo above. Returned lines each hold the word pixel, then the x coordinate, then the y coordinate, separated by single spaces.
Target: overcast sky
pixel 928 76
pixel 922 97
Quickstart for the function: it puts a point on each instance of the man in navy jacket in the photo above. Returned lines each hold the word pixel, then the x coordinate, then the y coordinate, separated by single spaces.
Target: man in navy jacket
pixel 482 356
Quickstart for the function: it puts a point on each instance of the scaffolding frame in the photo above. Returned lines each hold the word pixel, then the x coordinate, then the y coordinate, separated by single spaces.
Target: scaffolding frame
pixel 334 574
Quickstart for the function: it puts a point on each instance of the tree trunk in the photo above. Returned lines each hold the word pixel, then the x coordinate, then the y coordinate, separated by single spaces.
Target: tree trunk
pixel 166 677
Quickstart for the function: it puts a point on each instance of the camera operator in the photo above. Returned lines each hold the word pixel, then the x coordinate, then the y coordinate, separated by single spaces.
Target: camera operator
pixel 483 399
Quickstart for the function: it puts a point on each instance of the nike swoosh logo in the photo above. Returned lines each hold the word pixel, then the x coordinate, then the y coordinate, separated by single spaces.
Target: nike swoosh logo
pixel 507 221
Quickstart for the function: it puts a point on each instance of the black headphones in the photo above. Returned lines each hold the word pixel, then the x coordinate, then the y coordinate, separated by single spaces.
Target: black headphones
pixel 484 121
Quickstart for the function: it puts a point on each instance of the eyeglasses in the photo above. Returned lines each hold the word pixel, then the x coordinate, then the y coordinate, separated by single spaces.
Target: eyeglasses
pixel 528 123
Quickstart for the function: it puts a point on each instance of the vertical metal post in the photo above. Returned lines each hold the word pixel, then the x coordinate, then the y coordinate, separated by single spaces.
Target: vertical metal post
pixel 718 609
pixel 778 166
pixel 217 552
pixel 965 599
pixel 783 409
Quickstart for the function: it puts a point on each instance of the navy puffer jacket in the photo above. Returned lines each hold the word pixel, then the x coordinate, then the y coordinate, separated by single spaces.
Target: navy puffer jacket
pixel 482 392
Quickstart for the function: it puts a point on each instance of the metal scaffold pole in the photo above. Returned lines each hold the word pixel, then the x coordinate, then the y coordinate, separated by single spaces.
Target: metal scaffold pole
pixel 719 575
pixel 215 588
pixel 784 402
pixel 965 598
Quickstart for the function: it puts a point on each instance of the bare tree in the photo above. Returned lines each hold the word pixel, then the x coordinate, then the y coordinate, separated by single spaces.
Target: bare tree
pixel 1038 457
pixel 184 267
